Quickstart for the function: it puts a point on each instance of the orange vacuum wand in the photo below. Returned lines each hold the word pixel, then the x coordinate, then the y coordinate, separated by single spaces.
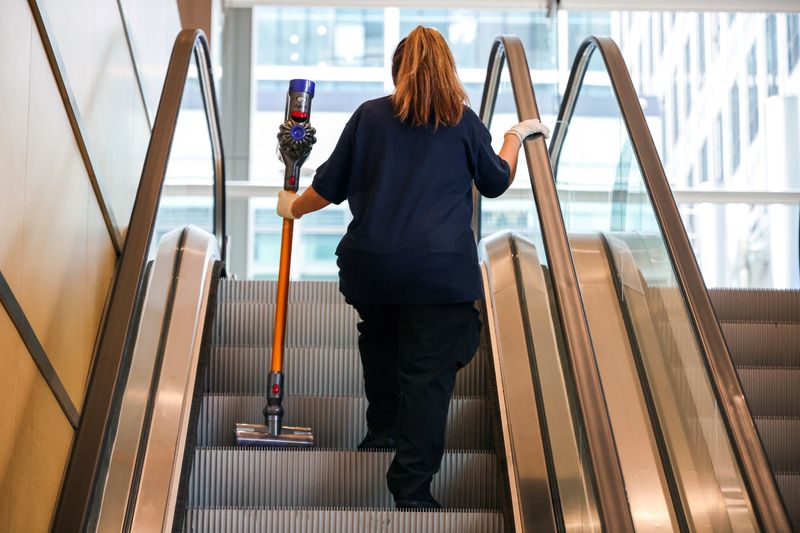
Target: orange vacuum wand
pixel 296 137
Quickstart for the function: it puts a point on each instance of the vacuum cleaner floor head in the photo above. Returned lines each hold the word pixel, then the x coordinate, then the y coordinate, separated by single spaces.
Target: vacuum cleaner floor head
pixel 258 435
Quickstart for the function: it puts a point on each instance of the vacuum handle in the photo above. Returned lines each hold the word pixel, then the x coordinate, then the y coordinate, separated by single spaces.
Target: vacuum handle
pixel 296 136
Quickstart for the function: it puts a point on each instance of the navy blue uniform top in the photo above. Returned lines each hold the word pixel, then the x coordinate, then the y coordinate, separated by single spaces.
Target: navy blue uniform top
pixel 410 192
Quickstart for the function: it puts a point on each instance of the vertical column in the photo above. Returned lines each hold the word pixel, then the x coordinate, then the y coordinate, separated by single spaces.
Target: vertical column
pixel 236 108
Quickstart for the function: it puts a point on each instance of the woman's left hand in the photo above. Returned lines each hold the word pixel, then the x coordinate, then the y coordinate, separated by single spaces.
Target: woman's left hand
pixel 285 201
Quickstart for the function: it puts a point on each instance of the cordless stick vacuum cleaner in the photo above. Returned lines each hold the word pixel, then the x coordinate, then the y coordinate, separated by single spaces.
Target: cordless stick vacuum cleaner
pixel 295 139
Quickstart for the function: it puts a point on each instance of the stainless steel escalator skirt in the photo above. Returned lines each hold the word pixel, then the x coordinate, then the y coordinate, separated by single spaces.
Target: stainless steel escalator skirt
pixel 145 468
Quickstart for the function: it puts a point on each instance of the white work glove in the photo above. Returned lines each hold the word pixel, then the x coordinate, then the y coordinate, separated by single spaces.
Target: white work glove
pixel 285 201
pixel 527 128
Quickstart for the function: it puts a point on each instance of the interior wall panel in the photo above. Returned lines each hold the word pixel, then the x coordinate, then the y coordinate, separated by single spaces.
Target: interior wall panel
pixel 63 278
pixel 91 39
pixel 35 441
pixel 152 27
pixel 15 36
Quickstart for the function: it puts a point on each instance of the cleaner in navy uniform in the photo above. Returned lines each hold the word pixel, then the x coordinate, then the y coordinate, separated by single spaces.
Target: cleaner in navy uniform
pixel 406 164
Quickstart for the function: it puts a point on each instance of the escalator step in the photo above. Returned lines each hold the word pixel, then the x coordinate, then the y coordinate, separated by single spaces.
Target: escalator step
pixel 334 371
pixel 770 391
pixel 789 487
pixel 763 305
pixel 338 422
pixel 230 477
pixel 341 521
pixel 781 439
pixel 309 324
pixel 763 344
pixel 260 291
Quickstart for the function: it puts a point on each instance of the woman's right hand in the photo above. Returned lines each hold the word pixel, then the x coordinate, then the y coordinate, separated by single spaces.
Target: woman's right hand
pixel 285 201
pixel 527 128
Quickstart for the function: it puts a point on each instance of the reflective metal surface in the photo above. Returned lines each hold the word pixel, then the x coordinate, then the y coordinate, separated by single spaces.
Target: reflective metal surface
pixel 612 503
pixel 707 478
pixel 136 400
pixel 260 435
pixel 181 336
pixel 645 482
pixel 570 457
pixel 520 411
pixel 641 171
pixel 527 355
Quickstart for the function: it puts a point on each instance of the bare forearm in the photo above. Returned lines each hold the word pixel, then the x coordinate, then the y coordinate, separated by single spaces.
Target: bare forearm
pixel 308 202
pixel 509 152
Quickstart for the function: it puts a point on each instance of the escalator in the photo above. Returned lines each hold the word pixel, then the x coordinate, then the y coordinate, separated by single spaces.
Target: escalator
pixel 603 397
pixel 715 468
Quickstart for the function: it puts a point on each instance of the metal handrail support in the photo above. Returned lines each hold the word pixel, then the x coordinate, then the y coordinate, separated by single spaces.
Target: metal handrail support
pixel 736 415
pixel 77 506
pixel 614 511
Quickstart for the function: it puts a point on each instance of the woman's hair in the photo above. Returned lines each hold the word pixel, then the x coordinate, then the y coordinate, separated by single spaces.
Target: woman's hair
pixel 427 88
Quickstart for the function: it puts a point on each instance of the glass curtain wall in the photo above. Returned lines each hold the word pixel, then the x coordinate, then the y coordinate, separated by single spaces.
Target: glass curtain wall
pixel 696 73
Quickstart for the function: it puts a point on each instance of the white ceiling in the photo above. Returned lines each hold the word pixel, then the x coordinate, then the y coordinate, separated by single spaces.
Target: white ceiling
pixel 575 5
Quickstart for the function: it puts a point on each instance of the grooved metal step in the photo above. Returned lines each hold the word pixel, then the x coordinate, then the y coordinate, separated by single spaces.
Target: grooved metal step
pixel 331 487
pixel 763 344
pixel 340 521
pixel 338 422
pixel 789 486
pixel 231 477
pixel 771 392
pixel 334 371
pixel 762 329
pixel 308 324
pixel 780 437
pixel 264 291
pixel 763 305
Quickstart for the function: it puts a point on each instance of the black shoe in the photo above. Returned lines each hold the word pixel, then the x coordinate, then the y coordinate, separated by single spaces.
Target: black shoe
pixel 379 440
pixel 419 505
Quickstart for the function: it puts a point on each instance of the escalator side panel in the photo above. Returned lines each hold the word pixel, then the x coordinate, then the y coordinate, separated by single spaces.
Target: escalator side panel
pixel 523 440
pixel 569 469
pixel 705 474
pixel 645 480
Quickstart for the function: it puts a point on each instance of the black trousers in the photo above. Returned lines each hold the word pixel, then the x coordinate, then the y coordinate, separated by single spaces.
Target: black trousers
pixel 410 355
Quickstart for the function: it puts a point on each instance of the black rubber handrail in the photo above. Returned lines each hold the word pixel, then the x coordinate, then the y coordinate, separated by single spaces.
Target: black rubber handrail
pixel 76 508
pixel 613 506
pixel 735 413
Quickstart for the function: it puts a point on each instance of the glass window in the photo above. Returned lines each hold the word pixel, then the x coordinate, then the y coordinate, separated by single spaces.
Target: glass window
pixel 734 117
pixel 793 34
pixel 675 114
pixel 715 35
pixel 652 49
pixel 344 50
pixel 704 163
pixel 319 36
pixel 471 32
pixel 752 94
pixel 687 65
pixel 772 55
pixel 701 45
pixel 720 167
pixel 583 24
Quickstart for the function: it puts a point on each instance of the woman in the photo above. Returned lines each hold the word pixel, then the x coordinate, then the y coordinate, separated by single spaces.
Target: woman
pixel 406 164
